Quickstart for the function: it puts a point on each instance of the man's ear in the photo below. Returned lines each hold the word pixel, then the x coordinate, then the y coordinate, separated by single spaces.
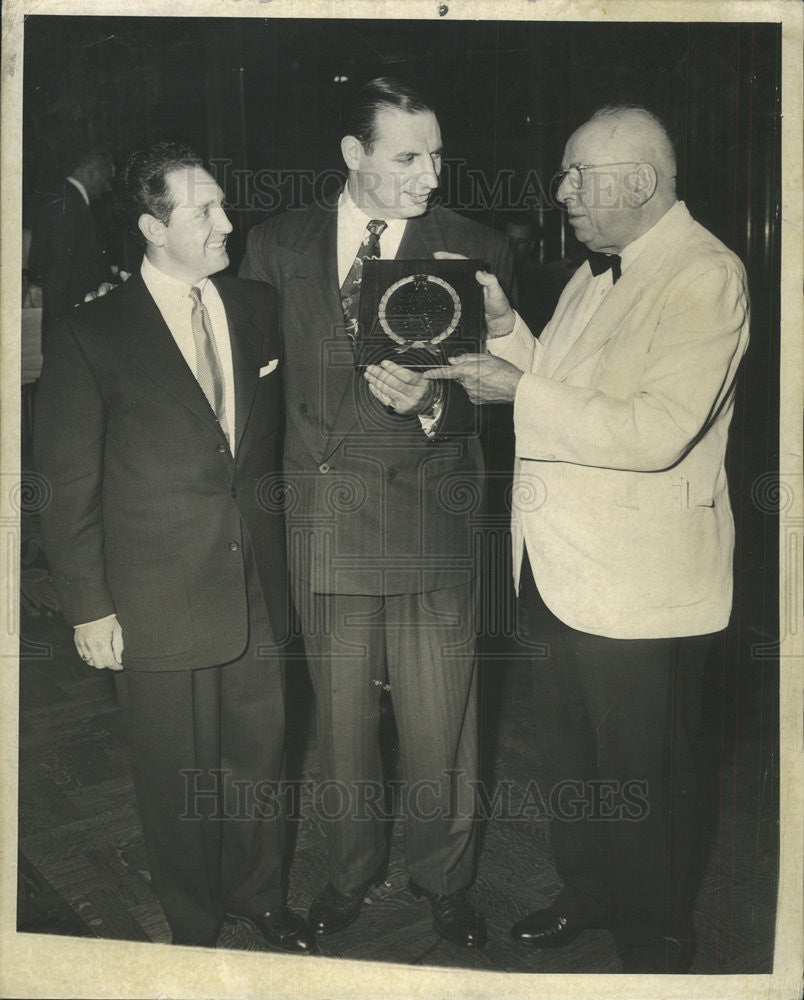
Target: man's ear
pixel 352 151
pixel 641 184
pixel 152 229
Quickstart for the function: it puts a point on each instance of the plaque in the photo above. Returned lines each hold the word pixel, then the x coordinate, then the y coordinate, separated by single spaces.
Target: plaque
pixel 419 313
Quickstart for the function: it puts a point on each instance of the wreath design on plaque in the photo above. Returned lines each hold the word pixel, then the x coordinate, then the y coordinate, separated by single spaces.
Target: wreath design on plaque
pixel 419 311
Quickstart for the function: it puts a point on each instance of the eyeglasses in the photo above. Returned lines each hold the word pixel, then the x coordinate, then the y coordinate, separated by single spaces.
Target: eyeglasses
pixel 574 173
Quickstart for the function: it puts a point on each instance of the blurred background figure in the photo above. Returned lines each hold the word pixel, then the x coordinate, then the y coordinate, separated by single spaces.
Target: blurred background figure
pixel 524 231
pixel 69 248
pixel 539 282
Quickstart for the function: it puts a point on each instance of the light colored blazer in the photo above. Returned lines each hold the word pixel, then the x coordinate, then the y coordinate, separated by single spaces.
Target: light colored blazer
pixel 620 491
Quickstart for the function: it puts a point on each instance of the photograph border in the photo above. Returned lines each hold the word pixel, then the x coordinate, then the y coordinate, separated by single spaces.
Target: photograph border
pixel 48 966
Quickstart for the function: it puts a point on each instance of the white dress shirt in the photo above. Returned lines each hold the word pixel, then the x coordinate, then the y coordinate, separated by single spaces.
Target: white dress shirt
pixel 80 188
pixel 352 223
pixel 172 298
pixel 597 288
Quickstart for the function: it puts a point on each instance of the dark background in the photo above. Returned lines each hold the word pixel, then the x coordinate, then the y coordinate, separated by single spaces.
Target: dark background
pixel 262 98
pixel 264 94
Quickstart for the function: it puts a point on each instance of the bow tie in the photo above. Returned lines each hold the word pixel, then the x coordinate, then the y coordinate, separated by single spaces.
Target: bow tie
pixel 600 262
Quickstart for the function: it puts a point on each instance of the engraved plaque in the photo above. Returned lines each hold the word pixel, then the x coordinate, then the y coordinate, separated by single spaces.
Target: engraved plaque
pixel 418 313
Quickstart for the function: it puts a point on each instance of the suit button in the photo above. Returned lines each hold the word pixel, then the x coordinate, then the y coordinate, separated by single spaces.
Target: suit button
pixel 390 473
pixel 222 448
pixel 302 408
pixel 233 491
pixel 234 546
pixel 323 468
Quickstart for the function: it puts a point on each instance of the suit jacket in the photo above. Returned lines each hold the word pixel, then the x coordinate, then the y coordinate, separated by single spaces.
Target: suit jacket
pixel 620 490
pixel 68 248
pixel 374 505
pixel 150 512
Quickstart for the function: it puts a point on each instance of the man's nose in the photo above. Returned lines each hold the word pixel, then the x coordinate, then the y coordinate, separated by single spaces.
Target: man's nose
pixel 222 223
pixel 565 190
pixel 429 176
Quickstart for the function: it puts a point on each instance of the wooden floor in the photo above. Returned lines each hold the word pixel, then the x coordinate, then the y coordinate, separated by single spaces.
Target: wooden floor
pixel 84 872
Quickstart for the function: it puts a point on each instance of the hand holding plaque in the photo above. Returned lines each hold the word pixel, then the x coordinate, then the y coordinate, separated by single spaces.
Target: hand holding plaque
pixel 419 313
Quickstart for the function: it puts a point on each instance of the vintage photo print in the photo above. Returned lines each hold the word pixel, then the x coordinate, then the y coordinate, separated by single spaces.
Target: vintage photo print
pixel 433 636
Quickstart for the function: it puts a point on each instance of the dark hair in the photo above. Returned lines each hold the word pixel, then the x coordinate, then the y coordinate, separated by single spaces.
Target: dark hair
pixel 144 178
pixel 383 92
pixel 92 156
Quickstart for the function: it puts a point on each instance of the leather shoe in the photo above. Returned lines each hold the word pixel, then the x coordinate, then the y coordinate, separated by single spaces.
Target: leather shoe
pixel 454 917
pixel 550 928
pixel 333 911
pixel 284 930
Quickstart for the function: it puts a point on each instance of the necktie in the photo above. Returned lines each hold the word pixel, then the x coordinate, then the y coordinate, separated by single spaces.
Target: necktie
pixel 208 370
pixel 369 249
pixel 600 262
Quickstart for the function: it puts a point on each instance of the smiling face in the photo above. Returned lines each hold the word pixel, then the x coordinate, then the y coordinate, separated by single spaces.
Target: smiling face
pixel 603 212
pixel 396 178
pixel 192 244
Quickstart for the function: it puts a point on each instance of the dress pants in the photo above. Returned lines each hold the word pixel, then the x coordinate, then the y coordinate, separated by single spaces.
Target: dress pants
pixel 206 744
pixel 423 645
pixel 617 721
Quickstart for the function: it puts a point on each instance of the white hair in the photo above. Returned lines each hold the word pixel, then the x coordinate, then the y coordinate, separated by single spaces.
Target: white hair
pixel 653 137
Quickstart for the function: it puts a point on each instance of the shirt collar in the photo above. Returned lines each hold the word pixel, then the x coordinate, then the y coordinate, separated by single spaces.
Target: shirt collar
pixel 81 189
pixel 160 283
pixel 654 234
pixel 356 218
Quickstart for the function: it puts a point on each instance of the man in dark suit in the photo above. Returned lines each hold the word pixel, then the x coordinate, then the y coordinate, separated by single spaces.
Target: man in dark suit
pixel 156 426
pixel 69 248
pixel 381 553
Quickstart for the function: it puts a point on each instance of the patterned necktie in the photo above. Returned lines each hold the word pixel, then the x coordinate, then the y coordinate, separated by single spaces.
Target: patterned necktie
pixel 208 369
pixel 600 262
pixel 369 249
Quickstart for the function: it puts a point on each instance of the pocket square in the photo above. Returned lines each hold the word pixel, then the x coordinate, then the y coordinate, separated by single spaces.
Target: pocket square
pixel 267 369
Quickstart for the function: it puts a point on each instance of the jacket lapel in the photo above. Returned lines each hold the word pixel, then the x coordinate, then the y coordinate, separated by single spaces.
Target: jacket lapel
pixel 244 336
pixel 615 308
pixel 598 330
pixel 316 250
pixel 157 354
pixel 316 300
pixel 422 237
